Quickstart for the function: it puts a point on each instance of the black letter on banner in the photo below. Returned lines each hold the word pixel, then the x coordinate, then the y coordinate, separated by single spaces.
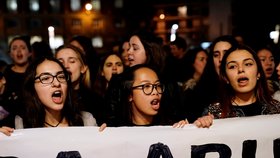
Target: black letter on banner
pixel 199 151
pixel 249 149
pixel 69 154
pixel 159 149
pixel 276 148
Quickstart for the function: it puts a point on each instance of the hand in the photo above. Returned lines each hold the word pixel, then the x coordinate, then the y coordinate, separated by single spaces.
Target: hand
pixel 180 124
pixel 204 121
pixel 7 130
pixel 102 127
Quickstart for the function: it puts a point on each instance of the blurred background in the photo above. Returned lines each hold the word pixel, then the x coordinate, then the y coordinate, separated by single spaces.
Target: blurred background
pixel 108 22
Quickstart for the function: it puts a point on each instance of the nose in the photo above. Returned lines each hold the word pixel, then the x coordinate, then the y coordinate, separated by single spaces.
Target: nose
pixel 55 82
pixel 66 65
pixel 221 57
pixel 154 91
pixel 129 50
pixel 114 67
pixel 240 69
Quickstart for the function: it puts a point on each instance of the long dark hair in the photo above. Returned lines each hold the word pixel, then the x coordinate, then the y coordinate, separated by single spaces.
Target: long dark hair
pixel 227 92
pixel 34 108
pixel 209 82
pixel 100 84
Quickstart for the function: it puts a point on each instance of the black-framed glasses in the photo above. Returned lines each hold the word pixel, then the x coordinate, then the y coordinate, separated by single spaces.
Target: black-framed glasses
pixel 47 78
pixel 148 88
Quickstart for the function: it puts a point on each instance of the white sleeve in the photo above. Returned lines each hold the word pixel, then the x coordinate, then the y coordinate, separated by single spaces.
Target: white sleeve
pixel 88 119
pixel 18 122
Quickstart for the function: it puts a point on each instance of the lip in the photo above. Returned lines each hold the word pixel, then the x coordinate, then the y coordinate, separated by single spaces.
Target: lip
pixel 242 81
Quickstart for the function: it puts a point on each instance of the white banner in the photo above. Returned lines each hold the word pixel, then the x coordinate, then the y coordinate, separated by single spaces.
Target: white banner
pixel 231 137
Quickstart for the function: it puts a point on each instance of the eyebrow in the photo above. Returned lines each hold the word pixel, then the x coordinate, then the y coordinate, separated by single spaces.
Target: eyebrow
pixel 48 73
pixel 246 59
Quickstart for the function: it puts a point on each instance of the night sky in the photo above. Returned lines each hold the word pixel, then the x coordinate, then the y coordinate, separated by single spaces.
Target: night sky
pixel 256 19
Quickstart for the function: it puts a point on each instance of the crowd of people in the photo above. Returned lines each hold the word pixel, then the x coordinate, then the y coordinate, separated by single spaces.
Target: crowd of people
pixel 144 83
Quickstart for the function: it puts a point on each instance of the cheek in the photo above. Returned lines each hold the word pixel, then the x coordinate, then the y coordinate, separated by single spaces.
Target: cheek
pixel 120 70
pixel 42 93
pixel 138 98
pixel 107 73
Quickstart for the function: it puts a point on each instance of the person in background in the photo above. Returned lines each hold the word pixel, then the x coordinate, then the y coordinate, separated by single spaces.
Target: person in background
pixel 48 100
pixel 20 52
pixel 141 100
pixel 196 59
pixel 175 70
pixel 146 48
pixel 92 56
pixel 267 59
pixel 208 85
pixel 74 60
pixel 244 90
pixel 111 65
pixel 124 53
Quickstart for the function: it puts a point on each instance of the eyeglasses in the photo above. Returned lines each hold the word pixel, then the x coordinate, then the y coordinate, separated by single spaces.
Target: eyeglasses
pixel 47 78
pixel 148 88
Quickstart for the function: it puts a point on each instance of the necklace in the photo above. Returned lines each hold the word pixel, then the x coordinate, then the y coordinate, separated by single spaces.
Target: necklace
pixel 234 103
pixel 54 125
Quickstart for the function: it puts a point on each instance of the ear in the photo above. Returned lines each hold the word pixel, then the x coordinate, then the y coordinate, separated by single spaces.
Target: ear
pixel 130 98
pixel 84 69
pixel 258 76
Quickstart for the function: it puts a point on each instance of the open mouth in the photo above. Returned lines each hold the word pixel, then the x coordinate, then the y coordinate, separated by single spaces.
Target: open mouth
pixel 155 101
pixel 242 79
pixel 57 96
pixel 155 104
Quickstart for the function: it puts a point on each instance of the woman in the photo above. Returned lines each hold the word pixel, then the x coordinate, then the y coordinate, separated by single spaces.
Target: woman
pixel 145 48
pixel 243 86
pixel 48 100
pixel 207 87
pixel 267 59
pixel 74 60
pixel 110 65
pixel 92 57
pixel 141 100
pixel 195 64
pixel 20 52
pixel 196 59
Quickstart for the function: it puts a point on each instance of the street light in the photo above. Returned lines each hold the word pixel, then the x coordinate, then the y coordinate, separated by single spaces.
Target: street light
pixel 88 8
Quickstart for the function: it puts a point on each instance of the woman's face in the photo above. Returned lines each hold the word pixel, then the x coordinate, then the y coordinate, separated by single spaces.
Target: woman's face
pixel 200 62
pixel 144 105
pixel 267 61
pixel 19 52
pixel 125 48
pixel 242 71
pixel 219 50
pixel 113 65
pixel 52 95
pixel 69 58
pixel 136 52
